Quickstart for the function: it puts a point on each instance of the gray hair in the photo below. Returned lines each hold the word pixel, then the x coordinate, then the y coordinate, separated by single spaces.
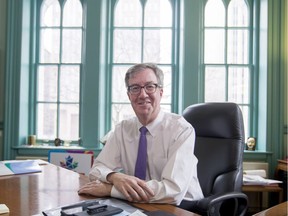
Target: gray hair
pixel 140 67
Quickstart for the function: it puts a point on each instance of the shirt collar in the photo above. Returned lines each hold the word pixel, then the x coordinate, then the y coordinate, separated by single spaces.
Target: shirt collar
pixel 151 126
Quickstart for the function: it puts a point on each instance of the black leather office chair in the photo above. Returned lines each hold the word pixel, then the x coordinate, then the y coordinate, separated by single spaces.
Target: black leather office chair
pixel 219 147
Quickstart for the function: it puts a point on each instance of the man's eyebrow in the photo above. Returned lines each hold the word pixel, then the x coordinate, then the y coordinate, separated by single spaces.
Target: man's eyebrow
pixel 150 82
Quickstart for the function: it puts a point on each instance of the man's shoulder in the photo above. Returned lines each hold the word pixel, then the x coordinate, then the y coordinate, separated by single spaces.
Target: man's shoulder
pixel 173 116
pixel 176 119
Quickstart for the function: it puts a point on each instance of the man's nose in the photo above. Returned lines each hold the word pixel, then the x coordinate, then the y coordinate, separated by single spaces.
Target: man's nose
pixel 142 92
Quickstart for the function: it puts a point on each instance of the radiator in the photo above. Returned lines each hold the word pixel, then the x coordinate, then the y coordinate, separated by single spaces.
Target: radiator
pixel 255 166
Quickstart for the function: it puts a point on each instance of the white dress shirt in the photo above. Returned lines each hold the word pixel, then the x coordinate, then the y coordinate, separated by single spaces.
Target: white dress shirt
pixel 171 164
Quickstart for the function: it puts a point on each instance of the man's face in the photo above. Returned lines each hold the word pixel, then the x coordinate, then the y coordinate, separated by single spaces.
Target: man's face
pixel 146 106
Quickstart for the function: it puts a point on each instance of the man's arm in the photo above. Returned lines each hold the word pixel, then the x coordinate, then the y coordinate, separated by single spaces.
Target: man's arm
pixel 133 188
pixel 96 188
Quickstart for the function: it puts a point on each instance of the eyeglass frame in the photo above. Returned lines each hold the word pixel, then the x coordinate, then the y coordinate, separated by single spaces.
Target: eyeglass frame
pixel 143 87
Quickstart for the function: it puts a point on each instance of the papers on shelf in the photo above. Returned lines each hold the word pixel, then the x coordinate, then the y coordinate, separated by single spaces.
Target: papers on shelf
pixel 258 180
pixel 19 167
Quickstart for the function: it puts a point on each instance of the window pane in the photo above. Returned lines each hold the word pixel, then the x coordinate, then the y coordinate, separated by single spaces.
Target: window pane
pixel 72 41
pixel 214 13
pixel 245 114
pixel 72 15
pixel 49 45
pixel 237 46
pixel 215 79
pixel 46 121
pixel 69 122
pixel 128 13
pixel 158 13
pixel 167 91
pixel 50 13
pixel 238 89
pixel 47 83
pixel 69 84
pixel 214 43
pixel 238 13
pixel 157 46
pixel 121 112
pixel 119 93
pixel 127 46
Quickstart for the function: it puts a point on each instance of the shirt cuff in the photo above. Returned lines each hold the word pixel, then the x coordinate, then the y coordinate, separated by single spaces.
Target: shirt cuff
pixel 117 194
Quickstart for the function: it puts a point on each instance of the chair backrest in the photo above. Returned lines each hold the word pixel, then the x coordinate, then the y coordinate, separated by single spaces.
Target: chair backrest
pixel 219 145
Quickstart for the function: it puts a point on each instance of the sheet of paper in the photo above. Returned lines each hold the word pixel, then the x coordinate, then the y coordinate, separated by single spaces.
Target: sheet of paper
pixel 4 209
pixel 25 166
pixel 4 170
pixel 137 213
pixel 19 167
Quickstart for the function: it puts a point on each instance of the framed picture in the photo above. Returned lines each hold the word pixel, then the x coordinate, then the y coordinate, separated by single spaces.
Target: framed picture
pixel 251 144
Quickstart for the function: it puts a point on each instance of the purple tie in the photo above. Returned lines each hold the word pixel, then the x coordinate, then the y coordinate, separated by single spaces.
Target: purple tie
pixel 140 168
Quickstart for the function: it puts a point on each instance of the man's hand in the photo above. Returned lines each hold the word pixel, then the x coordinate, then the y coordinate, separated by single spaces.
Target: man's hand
pixel 96 188
pixel 133 188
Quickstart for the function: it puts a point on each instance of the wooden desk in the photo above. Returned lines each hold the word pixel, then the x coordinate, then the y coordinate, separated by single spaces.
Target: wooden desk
pixel 280 210
pixel 282 165
pixel 30 194
pixel 261 189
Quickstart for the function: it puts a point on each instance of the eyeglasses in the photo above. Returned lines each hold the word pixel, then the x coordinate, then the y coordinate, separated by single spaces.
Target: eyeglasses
pixel 149 88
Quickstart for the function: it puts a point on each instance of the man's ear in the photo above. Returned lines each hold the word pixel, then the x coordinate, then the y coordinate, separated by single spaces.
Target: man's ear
pixel 161 92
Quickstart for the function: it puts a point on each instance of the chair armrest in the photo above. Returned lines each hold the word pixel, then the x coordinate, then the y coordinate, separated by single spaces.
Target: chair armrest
pixel 233 203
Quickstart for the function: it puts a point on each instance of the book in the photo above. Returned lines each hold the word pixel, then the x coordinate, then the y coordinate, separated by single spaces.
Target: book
pixel 19 167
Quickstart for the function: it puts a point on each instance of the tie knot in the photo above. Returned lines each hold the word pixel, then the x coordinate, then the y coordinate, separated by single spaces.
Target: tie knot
pixel 143 130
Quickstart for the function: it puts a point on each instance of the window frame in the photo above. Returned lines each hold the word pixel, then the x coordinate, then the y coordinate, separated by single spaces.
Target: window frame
pixel 250 65
pixel 58 64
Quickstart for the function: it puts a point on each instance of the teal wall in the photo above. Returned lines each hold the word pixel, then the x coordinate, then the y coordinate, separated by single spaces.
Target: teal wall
pixel 3 10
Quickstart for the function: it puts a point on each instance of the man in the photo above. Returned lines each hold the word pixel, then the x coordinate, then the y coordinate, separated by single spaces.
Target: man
pixel 171 169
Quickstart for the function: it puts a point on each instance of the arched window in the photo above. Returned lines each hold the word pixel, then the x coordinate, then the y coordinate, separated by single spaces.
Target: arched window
pixel 58 70
pixel 227 61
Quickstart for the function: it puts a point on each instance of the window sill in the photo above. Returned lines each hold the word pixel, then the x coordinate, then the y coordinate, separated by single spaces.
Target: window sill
pixel 258 155
pixel 257 152
pixel 50 147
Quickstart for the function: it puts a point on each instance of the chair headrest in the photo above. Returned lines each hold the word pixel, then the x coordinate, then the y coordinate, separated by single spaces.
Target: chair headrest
pixel 219 120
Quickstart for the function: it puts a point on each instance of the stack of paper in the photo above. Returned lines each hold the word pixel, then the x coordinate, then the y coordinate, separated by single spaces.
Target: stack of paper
pixel 19 167
pixel 258 180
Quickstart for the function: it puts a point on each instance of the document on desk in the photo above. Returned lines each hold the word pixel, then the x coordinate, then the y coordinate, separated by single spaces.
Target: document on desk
pixel 83 208
pixel 19 167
